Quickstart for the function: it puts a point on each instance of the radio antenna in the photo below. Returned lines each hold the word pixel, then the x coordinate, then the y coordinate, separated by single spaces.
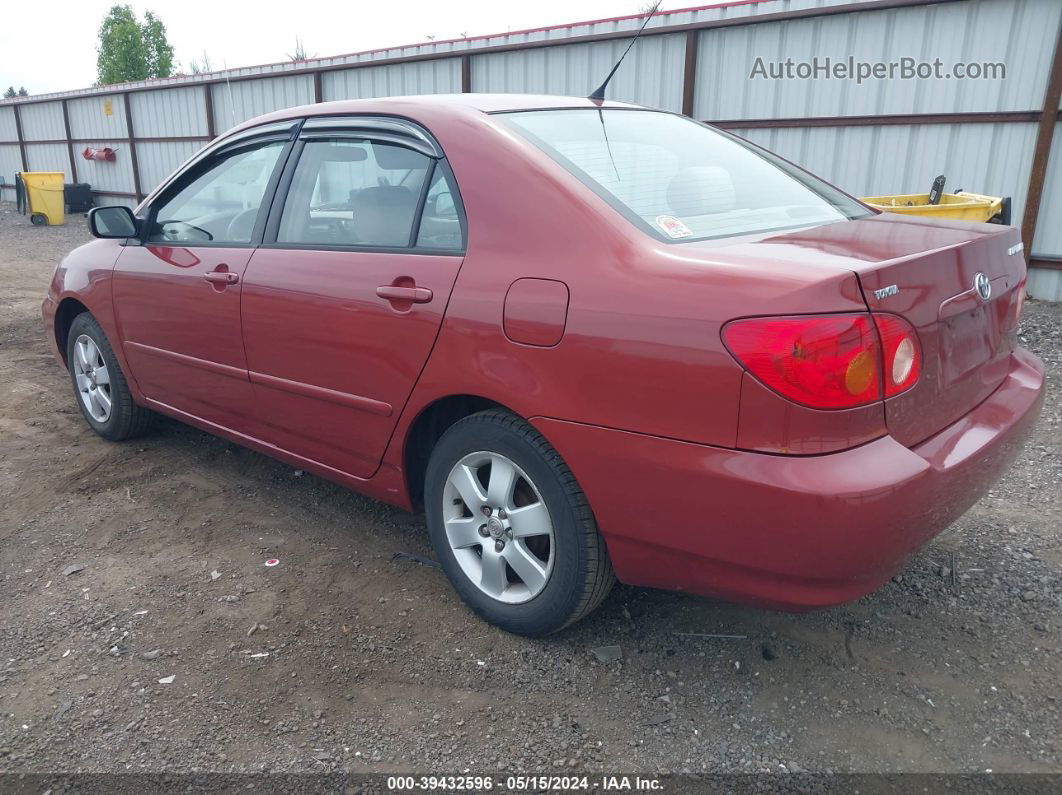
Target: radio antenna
pixel 599 94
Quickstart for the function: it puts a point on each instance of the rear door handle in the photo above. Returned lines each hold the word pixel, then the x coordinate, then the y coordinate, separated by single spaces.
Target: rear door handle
pixel 222 277
pixel 416 295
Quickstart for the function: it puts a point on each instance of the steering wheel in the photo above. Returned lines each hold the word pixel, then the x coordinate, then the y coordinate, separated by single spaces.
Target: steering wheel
pixel 242 226
pixel 171 234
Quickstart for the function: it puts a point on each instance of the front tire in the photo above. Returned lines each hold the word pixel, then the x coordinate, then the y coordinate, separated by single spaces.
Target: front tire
pixel 100 388
pixel 511 527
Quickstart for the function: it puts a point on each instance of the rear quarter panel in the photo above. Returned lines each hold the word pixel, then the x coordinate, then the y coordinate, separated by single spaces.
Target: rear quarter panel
pixel 641 349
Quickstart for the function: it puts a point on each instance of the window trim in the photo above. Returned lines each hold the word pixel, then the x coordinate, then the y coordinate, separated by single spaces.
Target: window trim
pixel 254 139
pixel 352 128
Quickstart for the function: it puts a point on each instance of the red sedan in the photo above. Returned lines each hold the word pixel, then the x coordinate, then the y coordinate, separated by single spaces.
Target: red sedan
pixel 591 340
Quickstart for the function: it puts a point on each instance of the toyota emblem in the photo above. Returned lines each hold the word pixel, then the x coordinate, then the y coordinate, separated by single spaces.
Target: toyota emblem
pixel 983 286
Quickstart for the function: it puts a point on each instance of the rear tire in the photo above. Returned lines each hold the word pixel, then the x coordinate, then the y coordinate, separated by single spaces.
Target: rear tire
pixel 100 388
pixel 523 552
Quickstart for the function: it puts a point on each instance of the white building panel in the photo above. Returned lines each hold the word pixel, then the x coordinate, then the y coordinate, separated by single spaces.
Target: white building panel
pixel 43 122
pixel 97 117
pixel 159 159
pixel 442 76
pixel 993 159
pixel 106 175
pixel 1048 242
pixel 237 102
pixel 8 128
pixel 1020 35
pixel 651 74
pixel 48 157
pixel 177 112
pixel 10 162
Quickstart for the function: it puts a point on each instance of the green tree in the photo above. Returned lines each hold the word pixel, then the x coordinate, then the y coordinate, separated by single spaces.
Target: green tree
pixel 22 92
pixel 131 50
pixel 157 47
pixel 10 92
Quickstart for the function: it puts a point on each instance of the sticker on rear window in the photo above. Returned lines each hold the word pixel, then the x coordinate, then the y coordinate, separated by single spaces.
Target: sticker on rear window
pixel 672 226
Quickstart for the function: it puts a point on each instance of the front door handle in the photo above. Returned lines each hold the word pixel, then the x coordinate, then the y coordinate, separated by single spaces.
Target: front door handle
pixel 415 295
pixel 222 277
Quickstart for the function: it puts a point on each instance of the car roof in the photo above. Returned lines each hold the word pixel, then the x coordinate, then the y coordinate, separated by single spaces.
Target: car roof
pixel 487 103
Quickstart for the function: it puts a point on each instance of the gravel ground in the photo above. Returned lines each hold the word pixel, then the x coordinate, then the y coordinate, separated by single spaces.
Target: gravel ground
pixel 175 649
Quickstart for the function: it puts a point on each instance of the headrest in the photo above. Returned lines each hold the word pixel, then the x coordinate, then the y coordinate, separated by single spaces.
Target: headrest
pixel 699 190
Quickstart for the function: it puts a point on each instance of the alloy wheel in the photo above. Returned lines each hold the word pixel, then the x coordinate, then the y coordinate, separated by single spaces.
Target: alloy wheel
pixel 92 377
pixel 498 527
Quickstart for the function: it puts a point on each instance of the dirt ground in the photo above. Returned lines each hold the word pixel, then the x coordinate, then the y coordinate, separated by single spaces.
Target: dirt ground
pixel 339 658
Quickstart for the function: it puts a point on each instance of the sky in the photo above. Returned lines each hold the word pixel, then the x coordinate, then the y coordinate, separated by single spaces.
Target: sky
pixel 51 46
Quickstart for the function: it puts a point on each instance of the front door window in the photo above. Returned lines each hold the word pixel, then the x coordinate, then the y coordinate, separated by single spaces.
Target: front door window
pixel 221 204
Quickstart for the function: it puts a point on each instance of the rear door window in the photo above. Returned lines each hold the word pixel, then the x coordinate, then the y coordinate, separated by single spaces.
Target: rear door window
pixel 347 192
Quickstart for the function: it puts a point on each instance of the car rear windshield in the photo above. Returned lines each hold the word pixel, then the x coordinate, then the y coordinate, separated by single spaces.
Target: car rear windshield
pixel 679 179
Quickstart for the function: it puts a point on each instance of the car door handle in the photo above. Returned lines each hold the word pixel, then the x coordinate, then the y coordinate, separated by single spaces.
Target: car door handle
pixel 416 295
pixel 222 277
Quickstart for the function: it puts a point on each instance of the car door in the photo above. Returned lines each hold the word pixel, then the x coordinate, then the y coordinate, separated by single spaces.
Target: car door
pixel 343 301
pixel 177 292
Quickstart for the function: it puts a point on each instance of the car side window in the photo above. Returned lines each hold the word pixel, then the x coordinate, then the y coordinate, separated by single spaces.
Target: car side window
pixel 347 192
pixel 221 204
pixel 440 223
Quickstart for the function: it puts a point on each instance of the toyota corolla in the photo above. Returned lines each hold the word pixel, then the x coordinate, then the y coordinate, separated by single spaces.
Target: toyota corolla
pixel 590 340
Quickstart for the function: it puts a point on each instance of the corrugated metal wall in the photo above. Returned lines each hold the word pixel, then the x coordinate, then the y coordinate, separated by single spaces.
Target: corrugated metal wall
pixel 10 157
pixel 8 131
pixel 866 161
pixel 43 122
pixel 422 77
pixel 48 157
pixel 1049 232
pixel 97 117
pixel 10 162
pixel 175 112
pixel 103 175
pixel 158 159
pixel 648 76
pixel 237 102
pixel 177 115
pixel 1021 34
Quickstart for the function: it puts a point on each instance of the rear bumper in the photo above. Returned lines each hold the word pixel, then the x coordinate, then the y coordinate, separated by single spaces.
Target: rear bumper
pixel 785 531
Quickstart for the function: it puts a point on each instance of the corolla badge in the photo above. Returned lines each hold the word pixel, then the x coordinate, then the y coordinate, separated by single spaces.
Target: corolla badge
pixel 983 286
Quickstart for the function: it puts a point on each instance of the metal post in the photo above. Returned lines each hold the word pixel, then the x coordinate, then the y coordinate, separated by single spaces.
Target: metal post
pixel 1042 153
pixel 689 75
pixel 208 103
pixel 21 138
pixel 132 148
pixel 69 144
pixel 466 74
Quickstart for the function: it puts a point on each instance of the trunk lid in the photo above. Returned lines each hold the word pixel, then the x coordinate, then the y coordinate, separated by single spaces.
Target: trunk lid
pixel 929 273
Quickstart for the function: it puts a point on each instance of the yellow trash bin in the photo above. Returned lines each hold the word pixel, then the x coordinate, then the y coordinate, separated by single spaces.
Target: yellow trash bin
pixel 953 206
pixel 44 196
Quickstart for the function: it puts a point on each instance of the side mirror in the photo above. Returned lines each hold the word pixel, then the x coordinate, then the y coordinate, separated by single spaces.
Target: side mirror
pixel 112 222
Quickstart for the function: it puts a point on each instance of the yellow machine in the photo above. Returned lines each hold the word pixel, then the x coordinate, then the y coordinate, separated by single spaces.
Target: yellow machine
pixel 953 206
pixel 959 206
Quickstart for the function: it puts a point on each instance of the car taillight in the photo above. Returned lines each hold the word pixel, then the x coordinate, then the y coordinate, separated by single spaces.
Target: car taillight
pixel 824 361
pixel 901 354
pixel 829 361
pixel 1021 303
